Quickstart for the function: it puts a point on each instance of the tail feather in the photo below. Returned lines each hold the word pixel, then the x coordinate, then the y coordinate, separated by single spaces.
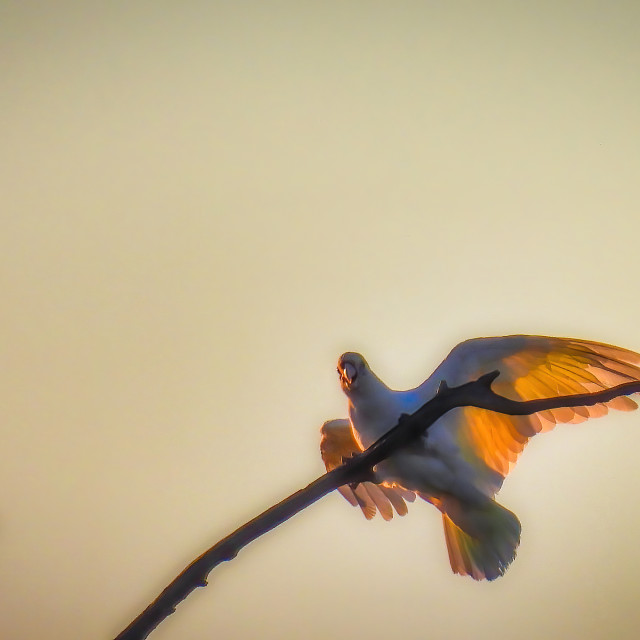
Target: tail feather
pixel 482 542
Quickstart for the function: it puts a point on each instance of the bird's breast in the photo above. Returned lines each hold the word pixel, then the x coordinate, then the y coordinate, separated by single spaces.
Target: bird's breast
pixel 369 423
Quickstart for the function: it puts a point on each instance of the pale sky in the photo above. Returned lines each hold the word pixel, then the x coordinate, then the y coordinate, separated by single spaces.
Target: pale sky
pixel 205 203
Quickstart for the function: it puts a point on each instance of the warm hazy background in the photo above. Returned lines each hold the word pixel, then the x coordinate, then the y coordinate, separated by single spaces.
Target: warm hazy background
pixel 205 203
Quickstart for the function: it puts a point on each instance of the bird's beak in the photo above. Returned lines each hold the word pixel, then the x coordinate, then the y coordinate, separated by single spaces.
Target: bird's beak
pixel 347 374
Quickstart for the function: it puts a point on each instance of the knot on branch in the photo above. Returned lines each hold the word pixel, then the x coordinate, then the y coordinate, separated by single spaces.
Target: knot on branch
pixel 442 387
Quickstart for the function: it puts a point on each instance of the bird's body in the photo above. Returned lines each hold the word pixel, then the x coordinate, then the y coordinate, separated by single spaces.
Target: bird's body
pixel 460 463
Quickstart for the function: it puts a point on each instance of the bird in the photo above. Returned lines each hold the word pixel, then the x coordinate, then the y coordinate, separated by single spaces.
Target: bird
pixel 461 461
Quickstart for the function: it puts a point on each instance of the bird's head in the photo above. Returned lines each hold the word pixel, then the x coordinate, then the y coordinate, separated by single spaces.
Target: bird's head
pixel 353 370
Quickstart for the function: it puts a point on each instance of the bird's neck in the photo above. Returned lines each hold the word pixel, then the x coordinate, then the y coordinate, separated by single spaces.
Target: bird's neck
pixel 373 411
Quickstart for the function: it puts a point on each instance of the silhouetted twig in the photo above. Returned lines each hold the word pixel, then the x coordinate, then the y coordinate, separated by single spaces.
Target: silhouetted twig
pixel 358 469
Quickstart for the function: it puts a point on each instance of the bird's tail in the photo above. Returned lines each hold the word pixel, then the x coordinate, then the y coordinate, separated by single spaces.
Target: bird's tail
pixel 482 541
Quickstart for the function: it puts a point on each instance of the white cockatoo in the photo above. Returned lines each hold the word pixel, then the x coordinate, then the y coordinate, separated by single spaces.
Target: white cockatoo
pixel 461 461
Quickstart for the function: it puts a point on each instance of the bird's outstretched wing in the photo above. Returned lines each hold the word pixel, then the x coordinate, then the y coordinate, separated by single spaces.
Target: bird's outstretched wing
pixel 530 367
pixel 338 444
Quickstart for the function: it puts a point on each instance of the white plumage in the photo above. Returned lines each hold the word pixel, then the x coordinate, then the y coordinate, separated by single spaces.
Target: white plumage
pixel 461 462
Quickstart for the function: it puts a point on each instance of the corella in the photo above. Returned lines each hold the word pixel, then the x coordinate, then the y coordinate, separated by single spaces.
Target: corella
pixel 462 459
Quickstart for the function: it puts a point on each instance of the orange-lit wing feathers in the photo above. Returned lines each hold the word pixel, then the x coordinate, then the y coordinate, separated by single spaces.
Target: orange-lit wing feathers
pixel 337 444
pixel 541 367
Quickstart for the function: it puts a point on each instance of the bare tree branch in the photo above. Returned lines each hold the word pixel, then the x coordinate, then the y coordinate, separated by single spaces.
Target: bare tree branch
pixel 358 469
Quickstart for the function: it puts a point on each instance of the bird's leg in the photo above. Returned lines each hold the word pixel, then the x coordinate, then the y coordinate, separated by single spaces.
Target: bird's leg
pixel 366 475
pixel 349 457
pixel 370 477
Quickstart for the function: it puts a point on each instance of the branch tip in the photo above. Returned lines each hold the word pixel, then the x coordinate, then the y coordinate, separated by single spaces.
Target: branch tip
pixel 488 378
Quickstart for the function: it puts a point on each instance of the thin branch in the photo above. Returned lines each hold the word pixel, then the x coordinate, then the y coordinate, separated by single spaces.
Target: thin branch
pixel 475 394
